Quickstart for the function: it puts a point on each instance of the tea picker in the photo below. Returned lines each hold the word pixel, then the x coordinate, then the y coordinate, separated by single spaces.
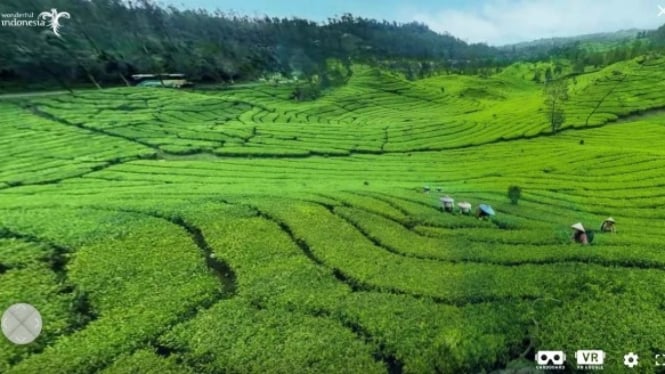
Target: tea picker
pixel 580 234
pixel 608 225
pixel 485 211
pixel 464 207
pixel 447 203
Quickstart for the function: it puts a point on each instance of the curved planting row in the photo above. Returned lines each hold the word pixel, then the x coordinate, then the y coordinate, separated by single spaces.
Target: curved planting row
pixel 418 117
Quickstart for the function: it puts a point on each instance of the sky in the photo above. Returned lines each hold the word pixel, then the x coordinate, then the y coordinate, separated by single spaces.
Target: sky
pixel 495 22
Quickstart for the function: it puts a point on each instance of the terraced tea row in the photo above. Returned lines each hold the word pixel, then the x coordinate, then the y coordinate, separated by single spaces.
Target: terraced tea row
pixel 38 151
pixel 285 277
pixel 405 118
pixel 237 230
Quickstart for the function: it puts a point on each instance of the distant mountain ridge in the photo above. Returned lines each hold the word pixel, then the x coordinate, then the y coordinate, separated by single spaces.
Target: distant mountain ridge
pixel 616 36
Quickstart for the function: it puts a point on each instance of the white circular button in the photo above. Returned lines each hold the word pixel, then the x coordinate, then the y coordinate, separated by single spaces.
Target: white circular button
pixel 21 323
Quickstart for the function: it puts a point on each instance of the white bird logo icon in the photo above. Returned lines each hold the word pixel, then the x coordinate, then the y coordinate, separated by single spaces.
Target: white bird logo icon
pixel 54 19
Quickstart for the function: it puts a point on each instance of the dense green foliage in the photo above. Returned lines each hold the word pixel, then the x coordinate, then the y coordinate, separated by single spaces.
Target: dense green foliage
pixel 106 41
pixel 238 230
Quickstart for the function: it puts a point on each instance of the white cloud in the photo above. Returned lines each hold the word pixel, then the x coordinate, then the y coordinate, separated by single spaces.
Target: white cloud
pixel 499 22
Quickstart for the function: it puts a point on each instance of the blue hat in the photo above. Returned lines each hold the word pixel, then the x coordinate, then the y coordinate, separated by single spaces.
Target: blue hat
pixel 487 209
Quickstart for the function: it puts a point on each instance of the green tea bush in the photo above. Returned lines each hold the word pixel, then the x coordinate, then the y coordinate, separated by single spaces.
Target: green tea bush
pixel 113 201
pixel 514 194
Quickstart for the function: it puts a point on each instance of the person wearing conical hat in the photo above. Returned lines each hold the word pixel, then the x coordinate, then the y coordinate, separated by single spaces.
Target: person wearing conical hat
pixel 608 225
pixel 447 203
pixel 484 211
pixel 579 234
pixel 465 207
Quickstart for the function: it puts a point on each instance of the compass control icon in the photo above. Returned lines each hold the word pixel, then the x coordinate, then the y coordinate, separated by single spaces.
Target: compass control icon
pixel 21 323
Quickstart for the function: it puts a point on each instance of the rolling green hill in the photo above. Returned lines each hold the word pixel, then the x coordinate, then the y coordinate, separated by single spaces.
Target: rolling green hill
pixel 603 40
pixel 239 231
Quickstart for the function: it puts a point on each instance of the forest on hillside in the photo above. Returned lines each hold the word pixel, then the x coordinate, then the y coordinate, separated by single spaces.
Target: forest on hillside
pixel 106 41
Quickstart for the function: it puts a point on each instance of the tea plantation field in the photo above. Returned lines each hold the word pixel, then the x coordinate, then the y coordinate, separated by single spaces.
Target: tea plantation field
pixel 237 231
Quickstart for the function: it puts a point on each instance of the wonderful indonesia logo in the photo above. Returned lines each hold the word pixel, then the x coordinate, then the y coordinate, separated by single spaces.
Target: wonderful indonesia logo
pixel 51 19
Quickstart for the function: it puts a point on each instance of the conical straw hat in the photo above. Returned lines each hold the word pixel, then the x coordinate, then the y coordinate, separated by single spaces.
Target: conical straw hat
pixel 464 205
pixel 578 226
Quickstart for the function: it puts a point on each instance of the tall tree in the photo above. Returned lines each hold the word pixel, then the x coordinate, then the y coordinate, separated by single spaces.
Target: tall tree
pixel 556 94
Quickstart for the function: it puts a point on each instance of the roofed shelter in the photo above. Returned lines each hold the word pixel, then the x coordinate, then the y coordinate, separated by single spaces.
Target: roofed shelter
pixel 175 80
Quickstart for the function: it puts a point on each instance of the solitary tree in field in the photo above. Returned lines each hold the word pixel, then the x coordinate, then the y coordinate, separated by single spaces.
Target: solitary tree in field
pixel 556 94
pixel 514 194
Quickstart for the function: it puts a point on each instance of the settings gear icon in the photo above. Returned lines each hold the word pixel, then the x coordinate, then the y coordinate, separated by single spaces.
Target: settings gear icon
pixel 631 360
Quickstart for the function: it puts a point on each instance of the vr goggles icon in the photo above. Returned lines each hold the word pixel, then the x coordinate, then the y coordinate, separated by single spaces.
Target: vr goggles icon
pixel 550 357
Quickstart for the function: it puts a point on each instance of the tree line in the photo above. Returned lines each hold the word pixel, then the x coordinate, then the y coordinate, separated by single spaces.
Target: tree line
pixel 106 41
